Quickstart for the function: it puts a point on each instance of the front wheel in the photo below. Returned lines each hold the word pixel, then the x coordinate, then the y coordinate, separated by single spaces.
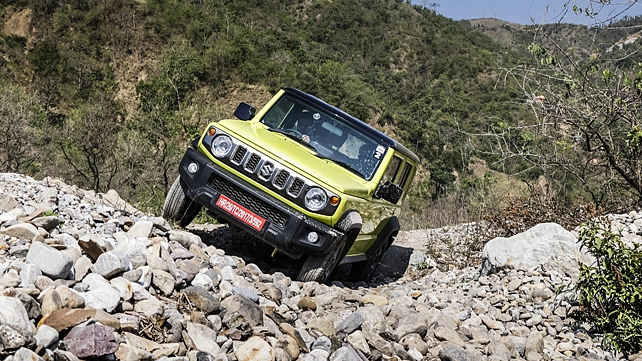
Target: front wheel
pixel 178 206
pixel 317 268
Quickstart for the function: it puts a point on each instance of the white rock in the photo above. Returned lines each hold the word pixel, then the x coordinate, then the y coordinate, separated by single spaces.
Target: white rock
pixel 545 244
pixel 124 287
pixel 52 262
pixel 141 229
pixel 12 279
pixel 46 336
pixel 28 275
pixel 12 215
pixel 111 263
pixel 135 250
pixel 228 274
pixel 204 338
pixel 22 231
pixel 106 298
pixel 139 292
pixel 256 349
pixel 24 354
pixel 150 307
pixel 14 316
pixel 202 280
pixel 101 295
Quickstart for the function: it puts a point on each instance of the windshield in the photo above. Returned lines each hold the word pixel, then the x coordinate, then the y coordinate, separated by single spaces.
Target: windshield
pixel 332 137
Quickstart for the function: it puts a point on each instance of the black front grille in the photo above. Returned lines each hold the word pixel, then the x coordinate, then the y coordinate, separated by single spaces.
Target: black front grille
pixel 296 187
pixel 238 155
pixel 280 179
pixel 249 201
pixel 252 163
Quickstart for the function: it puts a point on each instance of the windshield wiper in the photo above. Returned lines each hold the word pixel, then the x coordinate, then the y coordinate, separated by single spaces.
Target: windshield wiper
pixel 294 137
pixel 343 164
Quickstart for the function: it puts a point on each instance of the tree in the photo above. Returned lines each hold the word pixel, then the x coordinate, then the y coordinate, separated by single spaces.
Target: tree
pixel 18 139
pixel 89 144
pixel 587 117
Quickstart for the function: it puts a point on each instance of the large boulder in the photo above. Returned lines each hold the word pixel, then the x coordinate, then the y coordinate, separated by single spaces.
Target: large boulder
pixel 15 328
pixel 52 262
pixel 546 244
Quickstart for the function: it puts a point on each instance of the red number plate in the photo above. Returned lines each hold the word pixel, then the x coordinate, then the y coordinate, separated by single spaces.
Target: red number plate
pixel 241 213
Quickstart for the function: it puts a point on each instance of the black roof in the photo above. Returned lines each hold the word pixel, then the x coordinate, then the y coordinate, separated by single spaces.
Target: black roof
pixel 361 125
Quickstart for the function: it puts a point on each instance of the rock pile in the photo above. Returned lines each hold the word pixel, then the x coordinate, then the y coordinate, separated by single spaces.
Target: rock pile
pixel 85 275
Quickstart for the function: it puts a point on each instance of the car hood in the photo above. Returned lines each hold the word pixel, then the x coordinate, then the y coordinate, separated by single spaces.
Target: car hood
pixel 297 157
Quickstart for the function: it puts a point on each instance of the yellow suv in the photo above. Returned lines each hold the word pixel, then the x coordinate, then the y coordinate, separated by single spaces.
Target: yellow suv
pixel 303 176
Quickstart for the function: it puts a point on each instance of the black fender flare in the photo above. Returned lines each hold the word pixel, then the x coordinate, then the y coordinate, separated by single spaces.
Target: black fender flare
pixel 391 228
pixel 345 215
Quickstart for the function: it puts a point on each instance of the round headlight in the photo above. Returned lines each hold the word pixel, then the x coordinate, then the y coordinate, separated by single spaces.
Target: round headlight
pixel 222 145
pixel 316 199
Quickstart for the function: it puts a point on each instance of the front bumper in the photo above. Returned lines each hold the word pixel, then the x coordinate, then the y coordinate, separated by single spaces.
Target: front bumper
pixel 284 228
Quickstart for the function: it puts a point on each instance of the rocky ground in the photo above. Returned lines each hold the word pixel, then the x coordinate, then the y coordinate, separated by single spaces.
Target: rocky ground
pixel 85 275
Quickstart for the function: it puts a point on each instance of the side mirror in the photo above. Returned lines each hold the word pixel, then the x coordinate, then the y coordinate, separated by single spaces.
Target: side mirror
pixel 245 111
pixel 389 191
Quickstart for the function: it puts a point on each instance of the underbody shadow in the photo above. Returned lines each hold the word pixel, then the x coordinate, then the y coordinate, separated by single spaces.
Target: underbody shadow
pixel 391 268
pixel 235 242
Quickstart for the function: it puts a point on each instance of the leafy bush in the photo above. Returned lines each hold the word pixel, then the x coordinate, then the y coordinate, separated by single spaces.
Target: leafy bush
pixel 174 82
pixel 609 289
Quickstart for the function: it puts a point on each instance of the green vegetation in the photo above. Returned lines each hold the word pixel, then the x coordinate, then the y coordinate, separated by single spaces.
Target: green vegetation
pixel 119 87
pixel 609 289
pixel 584 136
pixel 112 91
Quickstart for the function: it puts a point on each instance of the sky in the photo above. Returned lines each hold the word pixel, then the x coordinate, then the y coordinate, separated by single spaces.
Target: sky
pixel 528 12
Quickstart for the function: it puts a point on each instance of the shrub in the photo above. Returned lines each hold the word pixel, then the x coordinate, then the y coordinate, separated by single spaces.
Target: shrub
pixel 609 289
pixel 174 83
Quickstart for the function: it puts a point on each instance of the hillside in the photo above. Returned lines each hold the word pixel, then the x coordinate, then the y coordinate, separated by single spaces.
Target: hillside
pixel 579 40
pixel 146 77
pixel 108 94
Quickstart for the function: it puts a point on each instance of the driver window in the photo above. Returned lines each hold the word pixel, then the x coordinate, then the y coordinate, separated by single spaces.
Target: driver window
pixel 392 169
pixel 404 175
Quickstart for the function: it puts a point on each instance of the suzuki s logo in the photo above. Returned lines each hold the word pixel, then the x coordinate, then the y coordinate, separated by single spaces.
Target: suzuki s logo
pixel 266 170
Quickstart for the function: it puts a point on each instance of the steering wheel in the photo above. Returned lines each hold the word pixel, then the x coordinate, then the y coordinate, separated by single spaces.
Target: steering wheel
pixel 293 132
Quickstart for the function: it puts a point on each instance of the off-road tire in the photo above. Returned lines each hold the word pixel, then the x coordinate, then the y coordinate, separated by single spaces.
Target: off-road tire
pixel 365 270
pixel 178 206
pixel 317 268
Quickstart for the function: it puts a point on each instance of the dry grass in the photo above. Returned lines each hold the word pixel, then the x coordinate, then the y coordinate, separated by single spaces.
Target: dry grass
pixel 540 205
pixel 484 193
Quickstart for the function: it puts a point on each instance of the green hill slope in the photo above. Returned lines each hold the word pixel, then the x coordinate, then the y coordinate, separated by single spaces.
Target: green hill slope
pixel 110 92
